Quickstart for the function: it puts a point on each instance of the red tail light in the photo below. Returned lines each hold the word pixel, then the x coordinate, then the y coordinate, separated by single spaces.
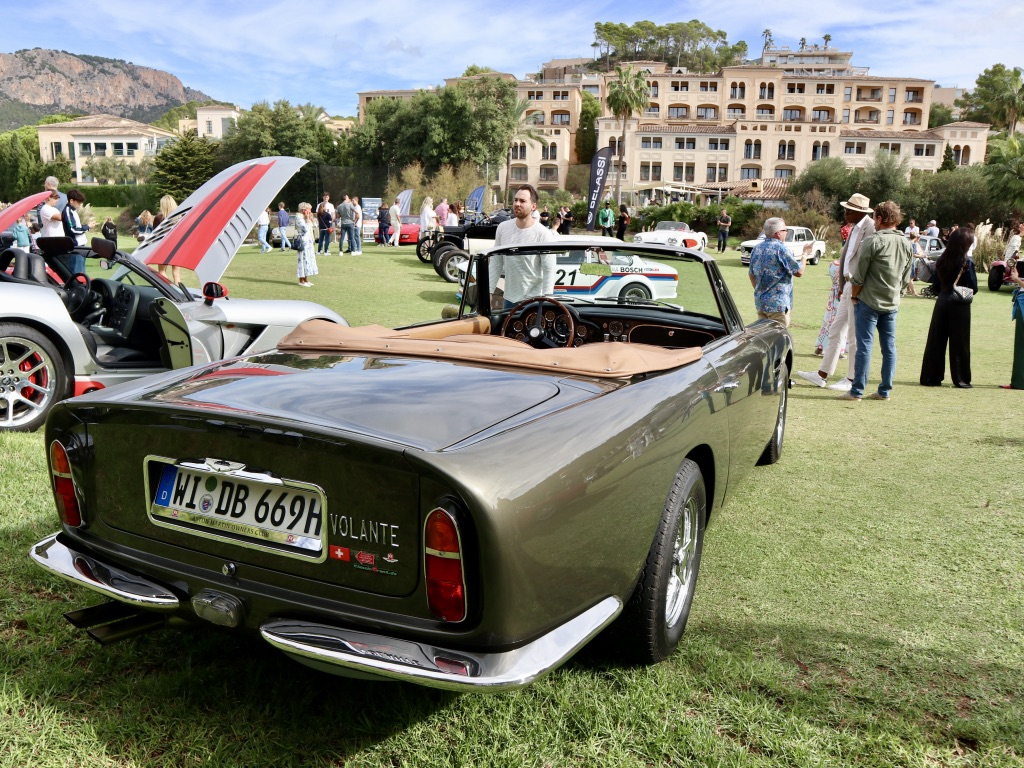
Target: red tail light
pixel 442 558
pixel 64 493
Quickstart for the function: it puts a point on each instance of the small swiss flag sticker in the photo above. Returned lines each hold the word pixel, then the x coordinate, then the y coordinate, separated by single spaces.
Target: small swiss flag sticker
pixel 339 553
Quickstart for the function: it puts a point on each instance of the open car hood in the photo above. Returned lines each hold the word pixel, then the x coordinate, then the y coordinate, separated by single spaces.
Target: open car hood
pixel 207 229
pixel 10 215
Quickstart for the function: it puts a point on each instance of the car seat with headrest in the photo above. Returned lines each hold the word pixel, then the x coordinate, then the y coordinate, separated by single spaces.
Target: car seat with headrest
pixel 28 267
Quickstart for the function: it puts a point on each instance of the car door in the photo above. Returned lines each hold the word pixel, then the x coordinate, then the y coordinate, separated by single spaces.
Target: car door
pixel 579 271
pixel 175 339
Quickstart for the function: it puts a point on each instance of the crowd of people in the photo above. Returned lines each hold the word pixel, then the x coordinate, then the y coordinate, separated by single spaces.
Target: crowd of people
pixel 876 267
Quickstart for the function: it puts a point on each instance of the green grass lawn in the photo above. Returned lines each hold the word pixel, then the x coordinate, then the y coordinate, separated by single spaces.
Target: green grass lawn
pixel 861 603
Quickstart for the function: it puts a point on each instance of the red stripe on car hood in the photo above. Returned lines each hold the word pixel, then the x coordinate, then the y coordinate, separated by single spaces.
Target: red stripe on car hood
pixel 188 242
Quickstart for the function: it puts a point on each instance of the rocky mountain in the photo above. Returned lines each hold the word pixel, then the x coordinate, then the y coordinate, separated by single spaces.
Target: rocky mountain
pixel 39 82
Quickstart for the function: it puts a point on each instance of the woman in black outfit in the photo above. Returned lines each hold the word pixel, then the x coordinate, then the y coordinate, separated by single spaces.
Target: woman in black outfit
pixel 621 222
pixel 951 321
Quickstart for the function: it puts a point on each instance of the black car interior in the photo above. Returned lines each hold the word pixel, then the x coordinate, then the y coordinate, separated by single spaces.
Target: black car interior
pixel 112 316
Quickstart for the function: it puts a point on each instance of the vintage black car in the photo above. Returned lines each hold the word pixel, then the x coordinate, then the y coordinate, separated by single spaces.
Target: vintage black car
pixel 460 504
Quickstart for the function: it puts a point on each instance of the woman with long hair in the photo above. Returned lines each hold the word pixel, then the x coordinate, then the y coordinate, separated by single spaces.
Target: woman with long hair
pixel 306 257
pixel 167 206
pixel 621 223
pixel 951 320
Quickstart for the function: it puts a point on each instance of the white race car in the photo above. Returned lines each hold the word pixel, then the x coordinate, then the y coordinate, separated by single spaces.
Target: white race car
pixel 673 233
pixel 602 271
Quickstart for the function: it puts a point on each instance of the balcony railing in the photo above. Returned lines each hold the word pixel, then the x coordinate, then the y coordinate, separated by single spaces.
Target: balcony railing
pixel 792 118
pixel 751 155
pixel 764 116
pixel 914 99
pixel 706 117
pixel 910 121
pixel 735 114
pixel 821 119
pixel 866 120
pixel 868 98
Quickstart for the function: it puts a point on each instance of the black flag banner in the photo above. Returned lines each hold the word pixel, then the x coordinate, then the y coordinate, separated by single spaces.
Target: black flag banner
pixel 599 168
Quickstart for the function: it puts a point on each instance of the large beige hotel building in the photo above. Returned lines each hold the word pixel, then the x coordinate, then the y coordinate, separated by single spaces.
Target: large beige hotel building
pixel 763 120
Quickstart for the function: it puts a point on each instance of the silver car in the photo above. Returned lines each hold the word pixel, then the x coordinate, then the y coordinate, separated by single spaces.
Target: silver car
pixel 65 334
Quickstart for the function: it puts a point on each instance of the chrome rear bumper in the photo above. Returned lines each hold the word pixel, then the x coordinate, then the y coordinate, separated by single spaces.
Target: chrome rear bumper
pixel 98 576
pixel 345 651
pixel 351 652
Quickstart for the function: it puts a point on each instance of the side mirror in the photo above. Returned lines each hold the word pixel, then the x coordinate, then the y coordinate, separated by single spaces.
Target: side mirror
pixel 213 291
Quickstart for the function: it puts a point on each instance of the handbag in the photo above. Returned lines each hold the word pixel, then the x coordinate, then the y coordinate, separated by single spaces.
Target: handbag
pixel 297 244
pixel 961 293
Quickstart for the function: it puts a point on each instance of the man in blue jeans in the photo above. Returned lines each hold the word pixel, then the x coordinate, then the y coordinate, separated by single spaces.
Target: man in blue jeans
pixel 883 272
pixel 283 220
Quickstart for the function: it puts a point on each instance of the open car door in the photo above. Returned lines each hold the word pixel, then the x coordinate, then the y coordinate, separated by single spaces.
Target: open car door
pixel 175 340
pixel 207 229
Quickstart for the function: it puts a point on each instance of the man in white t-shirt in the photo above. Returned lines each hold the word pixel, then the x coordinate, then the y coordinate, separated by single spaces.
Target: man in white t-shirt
pixel 912 229
pixel 525 276
pixel 396 223
pixel 50 217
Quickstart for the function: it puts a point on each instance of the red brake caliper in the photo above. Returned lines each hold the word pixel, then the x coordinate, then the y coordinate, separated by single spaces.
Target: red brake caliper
pixel 39 377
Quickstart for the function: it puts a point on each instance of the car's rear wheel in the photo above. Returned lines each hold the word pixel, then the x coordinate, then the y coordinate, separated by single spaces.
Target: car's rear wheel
pixel 448 264
pixel 773 451
pixel 816 257
pixel 995 277
pixel 635 291
pixel 32 378
pixel 655 616
pixel 423 248
pixel 438 253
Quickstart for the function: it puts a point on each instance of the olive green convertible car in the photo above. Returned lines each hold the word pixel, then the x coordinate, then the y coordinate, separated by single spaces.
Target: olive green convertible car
pixel 462 503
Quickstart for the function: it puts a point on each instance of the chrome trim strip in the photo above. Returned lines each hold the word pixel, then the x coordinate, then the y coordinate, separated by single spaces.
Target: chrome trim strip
pixel 327 647
pixel 98 576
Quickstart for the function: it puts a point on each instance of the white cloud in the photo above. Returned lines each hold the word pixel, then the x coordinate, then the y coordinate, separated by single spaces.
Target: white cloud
pixel 325 52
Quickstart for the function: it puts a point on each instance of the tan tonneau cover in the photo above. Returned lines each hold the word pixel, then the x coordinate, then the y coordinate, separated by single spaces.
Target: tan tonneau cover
pixel 469 342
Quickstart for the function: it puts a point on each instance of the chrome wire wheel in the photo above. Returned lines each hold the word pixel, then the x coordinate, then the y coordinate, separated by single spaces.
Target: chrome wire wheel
pixel 31 378
pixel 684 559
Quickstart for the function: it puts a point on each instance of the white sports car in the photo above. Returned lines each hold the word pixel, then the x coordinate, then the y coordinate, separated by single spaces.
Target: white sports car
pixel 673 233
pixel 604 271
pixel 65 333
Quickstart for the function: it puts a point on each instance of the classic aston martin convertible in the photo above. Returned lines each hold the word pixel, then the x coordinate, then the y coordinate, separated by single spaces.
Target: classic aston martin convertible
pixel 460 504
pixel 64 334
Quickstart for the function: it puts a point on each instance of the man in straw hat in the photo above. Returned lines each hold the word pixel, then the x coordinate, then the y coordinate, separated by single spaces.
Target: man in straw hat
pixel 862 223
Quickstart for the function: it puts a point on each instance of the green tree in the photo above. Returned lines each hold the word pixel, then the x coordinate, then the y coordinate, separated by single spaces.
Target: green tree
pixel 997 98
pixel 523 129
pixel 948 161
pixel 16 168
pixel 961 196
pixel 183 165
pixel 766 33
pixel 827 39
pixel 885 177
pixel 939 114
pixel 474 69
pixel 829 177
pixel 108 169
pixel 1004 169
pixel 586 134
pixel 627 95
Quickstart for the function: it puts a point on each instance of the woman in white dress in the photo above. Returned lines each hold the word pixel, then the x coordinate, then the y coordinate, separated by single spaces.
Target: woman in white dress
pixel 306 256
pixel 428 218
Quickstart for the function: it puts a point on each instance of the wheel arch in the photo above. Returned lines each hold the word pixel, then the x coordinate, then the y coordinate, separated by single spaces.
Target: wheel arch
pixel 704 457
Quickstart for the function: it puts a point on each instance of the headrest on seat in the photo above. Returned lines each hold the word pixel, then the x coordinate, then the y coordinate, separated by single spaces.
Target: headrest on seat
pixel 55 246
pixel 27 266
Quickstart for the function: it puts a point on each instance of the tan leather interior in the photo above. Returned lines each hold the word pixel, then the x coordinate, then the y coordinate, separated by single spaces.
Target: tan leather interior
pixel 469 339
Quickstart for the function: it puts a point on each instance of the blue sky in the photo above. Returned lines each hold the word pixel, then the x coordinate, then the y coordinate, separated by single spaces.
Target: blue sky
pixel 327 52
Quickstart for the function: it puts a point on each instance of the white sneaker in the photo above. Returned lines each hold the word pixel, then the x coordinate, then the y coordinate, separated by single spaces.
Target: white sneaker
pixel 843 385
pixel 813 378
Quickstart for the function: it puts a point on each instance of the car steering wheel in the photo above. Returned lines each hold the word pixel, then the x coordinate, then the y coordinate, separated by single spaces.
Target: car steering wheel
pixel 543 323
pixel 78 289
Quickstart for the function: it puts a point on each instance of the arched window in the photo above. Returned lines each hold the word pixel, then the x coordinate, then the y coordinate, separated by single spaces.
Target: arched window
pixel 787 151
pixel 766 91
pixel 752 150
pixel 965 156
pixel 737 90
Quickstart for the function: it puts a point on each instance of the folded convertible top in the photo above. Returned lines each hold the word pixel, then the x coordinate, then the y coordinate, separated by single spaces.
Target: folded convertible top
pixel 471 343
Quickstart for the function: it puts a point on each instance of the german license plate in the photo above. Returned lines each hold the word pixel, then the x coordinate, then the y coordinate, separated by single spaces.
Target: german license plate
pixel 250 506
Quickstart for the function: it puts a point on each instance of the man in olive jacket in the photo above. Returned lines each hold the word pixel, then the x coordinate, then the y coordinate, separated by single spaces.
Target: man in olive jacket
pixel 883 272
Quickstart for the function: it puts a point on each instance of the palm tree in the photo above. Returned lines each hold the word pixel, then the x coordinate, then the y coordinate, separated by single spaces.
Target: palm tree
pixel 628 94
pixel 1004 168
pixel 522 128
pixel 803 43
pixel 827 39
pixel 768 41
pixel 1008 98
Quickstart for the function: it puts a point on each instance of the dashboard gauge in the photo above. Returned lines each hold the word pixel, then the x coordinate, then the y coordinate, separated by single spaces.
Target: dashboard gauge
pixel 517 326
pixel 581 331
pixel 562 326
pixel 549 316
pixel 615 328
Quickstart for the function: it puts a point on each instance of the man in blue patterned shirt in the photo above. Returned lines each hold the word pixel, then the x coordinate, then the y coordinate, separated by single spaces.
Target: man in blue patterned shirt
pixel 772 269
